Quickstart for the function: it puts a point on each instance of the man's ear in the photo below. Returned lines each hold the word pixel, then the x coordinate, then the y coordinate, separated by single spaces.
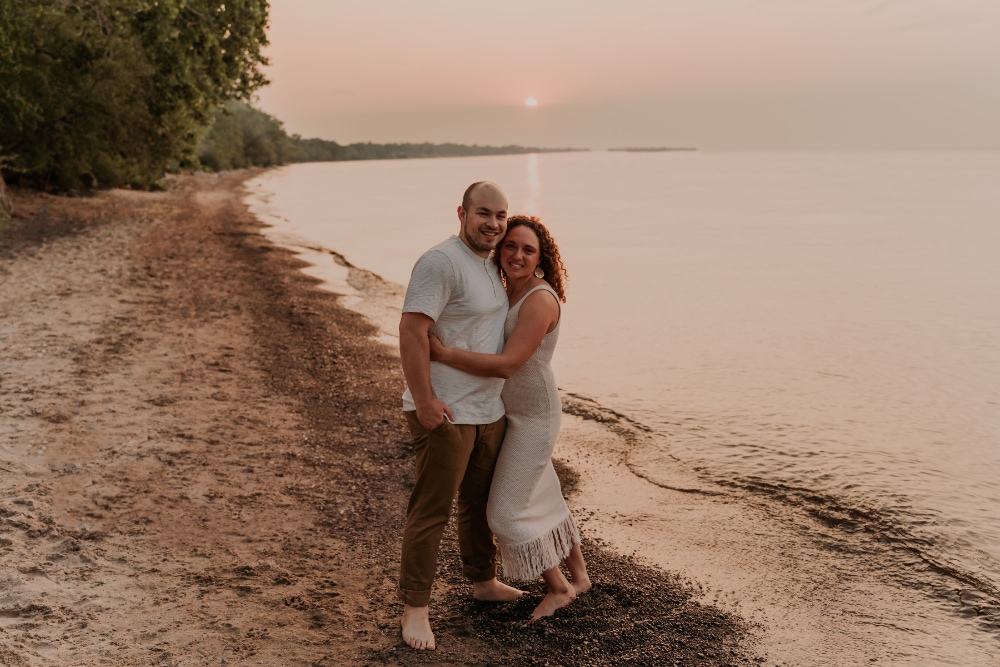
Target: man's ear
pixel 461 214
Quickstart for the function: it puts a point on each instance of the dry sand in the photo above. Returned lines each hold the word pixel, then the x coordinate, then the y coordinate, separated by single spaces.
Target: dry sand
pixel 203 462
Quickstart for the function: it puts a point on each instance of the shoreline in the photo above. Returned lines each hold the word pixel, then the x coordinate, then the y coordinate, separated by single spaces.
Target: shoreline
pixel 205 460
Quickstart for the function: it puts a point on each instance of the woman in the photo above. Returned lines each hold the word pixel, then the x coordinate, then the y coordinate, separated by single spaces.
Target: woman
pixel 534 528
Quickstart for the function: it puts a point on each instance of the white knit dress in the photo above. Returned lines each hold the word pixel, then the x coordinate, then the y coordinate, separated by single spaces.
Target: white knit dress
pixel 533 526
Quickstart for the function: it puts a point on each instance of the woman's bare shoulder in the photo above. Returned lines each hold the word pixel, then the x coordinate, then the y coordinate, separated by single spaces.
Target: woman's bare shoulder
pixel 542 304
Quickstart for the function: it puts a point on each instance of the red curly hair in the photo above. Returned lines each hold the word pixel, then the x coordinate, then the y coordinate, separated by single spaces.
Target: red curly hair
pixel 549 260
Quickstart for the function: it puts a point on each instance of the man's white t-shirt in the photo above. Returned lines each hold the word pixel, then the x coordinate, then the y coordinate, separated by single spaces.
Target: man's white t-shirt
pixel 462 293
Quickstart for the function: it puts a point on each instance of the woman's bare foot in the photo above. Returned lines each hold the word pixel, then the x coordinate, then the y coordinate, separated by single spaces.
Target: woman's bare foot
pixel 416 626
pixel 494 591
pixel 578 570
pixel 560 594
pixel 553 601
pixel 581 584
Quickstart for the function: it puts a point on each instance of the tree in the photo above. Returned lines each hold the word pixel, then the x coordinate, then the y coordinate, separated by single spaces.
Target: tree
pixel 242 136
pixel 118 91
pixel 6 208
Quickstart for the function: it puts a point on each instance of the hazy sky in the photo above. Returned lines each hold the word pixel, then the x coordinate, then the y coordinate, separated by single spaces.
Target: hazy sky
pixel 725 74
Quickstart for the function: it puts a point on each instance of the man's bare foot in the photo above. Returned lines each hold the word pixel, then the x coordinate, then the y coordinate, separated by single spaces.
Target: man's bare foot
pixel 553 601
pixel 494 591
pixel 416 627
pixel 580 585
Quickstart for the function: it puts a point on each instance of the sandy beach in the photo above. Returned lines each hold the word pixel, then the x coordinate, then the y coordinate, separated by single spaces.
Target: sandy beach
pixel 204 463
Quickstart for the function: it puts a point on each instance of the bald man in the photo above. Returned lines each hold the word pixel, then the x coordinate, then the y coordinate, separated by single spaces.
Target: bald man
pixel 457 419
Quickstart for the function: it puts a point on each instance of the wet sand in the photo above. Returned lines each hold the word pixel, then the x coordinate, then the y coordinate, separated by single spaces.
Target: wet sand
pixel 204 463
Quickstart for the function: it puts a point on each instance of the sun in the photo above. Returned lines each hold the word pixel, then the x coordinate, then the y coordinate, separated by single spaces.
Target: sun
pixel 531 102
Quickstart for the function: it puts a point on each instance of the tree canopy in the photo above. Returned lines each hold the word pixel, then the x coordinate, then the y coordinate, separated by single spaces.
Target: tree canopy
pixel 242 136
pixel 116 92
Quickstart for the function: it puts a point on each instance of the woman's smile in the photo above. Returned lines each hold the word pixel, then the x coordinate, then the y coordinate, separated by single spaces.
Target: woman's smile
pixel 519 251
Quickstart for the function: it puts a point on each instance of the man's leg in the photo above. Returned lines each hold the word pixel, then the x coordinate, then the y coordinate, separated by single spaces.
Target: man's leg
pixel 475 538
pixel 442 456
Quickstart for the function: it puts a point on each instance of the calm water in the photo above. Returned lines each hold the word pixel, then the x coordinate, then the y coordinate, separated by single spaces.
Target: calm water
pixel 823 329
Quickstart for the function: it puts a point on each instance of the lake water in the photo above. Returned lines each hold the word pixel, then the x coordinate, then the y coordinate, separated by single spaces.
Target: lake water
pixel 820 330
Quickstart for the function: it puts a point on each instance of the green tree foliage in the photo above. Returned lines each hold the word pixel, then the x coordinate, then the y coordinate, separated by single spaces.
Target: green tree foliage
pixel 117 91
pixel 242 136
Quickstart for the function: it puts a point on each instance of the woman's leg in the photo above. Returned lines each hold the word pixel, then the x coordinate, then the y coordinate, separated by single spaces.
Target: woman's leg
pixel 560 593
pixel 578 570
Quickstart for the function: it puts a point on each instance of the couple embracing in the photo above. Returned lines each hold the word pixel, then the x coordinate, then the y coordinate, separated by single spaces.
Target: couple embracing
pixel 479 325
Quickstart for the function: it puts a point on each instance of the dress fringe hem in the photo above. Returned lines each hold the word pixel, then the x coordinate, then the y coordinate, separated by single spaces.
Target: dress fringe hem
pixel 526 561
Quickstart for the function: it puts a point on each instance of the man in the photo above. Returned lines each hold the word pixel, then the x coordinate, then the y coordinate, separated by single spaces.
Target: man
pixel 457 419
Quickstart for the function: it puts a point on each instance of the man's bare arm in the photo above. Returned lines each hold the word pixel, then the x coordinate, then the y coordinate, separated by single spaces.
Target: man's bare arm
pixel 414 351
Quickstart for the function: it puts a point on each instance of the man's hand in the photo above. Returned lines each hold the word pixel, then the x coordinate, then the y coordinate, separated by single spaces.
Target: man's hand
pixel 432 414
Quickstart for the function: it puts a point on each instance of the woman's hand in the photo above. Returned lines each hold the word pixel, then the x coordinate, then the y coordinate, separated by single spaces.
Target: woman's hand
pixel 437 348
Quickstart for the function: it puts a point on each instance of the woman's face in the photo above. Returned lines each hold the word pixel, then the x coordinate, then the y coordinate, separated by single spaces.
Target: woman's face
pixel 520 252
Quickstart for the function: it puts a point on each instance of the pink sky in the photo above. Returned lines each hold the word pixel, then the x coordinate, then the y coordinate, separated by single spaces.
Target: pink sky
pixel 848 74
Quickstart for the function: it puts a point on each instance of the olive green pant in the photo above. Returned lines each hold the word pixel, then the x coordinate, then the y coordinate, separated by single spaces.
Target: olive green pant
pixel 453 460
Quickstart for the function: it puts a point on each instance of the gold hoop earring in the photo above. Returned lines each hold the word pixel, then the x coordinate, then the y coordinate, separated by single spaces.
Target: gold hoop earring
pixel 539 273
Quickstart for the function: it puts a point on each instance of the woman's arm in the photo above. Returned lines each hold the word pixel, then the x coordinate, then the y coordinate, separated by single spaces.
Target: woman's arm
pixel 538 315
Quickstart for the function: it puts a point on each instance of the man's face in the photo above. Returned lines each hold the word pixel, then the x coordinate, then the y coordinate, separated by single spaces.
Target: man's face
pixel 485 222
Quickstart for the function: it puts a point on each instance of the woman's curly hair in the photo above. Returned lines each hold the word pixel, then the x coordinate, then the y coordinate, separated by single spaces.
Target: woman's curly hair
pixel 549 260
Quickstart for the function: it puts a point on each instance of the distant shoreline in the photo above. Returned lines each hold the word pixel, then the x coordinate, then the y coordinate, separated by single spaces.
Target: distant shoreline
pixel 322 150
pixel 661 149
